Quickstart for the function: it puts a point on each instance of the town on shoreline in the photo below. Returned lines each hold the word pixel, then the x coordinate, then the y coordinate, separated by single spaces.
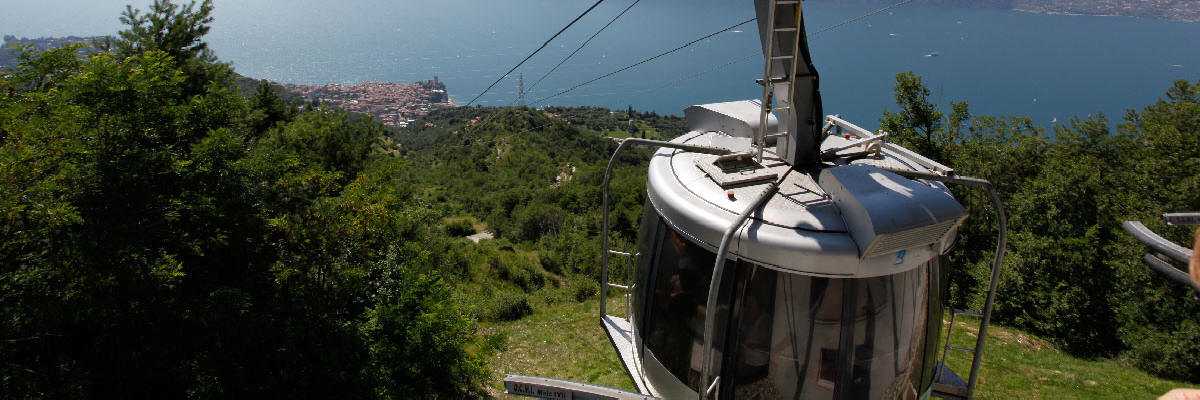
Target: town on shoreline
pixel 394 104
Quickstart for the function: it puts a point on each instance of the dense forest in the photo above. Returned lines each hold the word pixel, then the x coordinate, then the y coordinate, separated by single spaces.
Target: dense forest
pixel 164 235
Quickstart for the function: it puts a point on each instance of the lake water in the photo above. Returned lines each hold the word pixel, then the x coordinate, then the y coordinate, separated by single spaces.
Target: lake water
pixel 1049 67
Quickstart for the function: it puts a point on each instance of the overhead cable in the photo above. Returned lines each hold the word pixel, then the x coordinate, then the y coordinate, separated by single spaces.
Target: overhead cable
pixel 692 76
pixel 627 67
pixel 514 68
pixel 585 43
pixel 856 19
pixel 752 55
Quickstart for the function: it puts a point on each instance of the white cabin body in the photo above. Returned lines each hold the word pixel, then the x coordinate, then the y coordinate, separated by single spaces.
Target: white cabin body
pixel 831 290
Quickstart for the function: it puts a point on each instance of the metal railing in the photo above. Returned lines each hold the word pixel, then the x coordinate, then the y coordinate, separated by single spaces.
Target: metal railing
pixel 604 250
pixel 1163 250
pixel 893 148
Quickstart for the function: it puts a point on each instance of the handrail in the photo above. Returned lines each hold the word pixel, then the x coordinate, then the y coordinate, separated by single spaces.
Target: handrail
pixel 1182 219
pixel 1162 267
pixel 997 262
pixel 604 201
pixel 1156 242
pixel 714 286
pixel 895 148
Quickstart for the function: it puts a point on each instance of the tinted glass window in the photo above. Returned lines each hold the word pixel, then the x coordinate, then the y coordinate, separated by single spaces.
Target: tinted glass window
pixel 675 325
pixel 647 254
pixel 824 338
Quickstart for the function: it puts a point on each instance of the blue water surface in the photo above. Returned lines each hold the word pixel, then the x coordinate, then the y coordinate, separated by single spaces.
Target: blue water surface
pixel 1048 67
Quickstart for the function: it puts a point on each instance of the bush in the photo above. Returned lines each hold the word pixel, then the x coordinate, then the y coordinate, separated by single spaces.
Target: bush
pixel 417 325
pixel 522 270
pixel 459 228
pixel 507 306
pixel 584 288
pixel 1172 355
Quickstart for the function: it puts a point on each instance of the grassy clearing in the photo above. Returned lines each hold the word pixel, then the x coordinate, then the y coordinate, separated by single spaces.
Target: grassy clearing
pixel 1019 365
pixel 564 340
pixel 475 223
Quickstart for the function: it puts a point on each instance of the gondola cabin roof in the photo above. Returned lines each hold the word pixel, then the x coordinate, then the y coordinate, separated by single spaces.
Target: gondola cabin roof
pixel 819 221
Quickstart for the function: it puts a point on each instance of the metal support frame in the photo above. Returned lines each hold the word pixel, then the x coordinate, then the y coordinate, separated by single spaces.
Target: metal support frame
pixel 604 250
pixel 881 137
pixel 714 286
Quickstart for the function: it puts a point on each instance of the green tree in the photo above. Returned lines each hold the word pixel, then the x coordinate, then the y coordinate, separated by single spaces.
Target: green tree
pixel 178 32
pixel 148 248
pixel 267 109
pixel 918 123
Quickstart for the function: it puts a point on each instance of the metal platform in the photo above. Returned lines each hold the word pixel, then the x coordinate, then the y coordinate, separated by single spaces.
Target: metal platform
pixel 620 334
pixel 948 385
pixel 559 389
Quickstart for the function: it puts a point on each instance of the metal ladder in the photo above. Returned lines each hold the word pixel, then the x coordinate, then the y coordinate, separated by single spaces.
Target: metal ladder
pixel 948 384
pixel 769 79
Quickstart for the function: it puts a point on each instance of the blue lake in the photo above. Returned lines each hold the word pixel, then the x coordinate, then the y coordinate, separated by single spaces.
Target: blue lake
pixel 1048 67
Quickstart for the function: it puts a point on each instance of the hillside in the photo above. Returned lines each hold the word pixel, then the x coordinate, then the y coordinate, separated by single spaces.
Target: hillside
pixel 504 170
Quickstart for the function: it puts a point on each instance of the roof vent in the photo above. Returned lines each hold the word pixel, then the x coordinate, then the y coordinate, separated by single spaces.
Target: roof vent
pixel 886 213
pixel 735 118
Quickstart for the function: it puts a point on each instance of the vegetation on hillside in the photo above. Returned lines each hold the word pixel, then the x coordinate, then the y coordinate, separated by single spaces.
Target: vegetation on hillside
pixel 165 237
pixel 1071 273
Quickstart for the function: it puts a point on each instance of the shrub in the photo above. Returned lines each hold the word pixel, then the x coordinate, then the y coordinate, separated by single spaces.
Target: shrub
pixel 522 270
pixel 508 306
pixel 1173 355
pixel 584 288
pixel 459 228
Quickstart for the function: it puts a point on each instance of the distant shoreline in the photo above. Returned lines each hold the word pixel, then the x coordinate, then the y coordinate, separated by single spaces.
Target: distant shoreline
pixel 1166 10
pixel 1078 14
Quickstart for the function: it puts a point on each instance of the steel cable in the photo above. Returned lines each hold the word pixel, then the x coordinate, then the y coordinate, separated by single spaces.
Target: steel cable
pixel 581 46
pixel 514 68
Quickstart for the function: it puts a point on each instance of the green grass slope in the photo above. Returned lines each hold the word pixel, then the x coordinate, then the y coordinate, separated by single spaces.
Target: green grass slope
pixel 1019 365
pixel 565 341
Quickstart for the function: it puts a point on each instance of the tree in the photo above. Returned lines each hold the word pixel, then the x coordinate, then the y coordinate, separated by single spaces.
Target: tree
pixel 918 124
pixel 267 109
pixel 149 248
pixel 178 32
pixel 39 71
